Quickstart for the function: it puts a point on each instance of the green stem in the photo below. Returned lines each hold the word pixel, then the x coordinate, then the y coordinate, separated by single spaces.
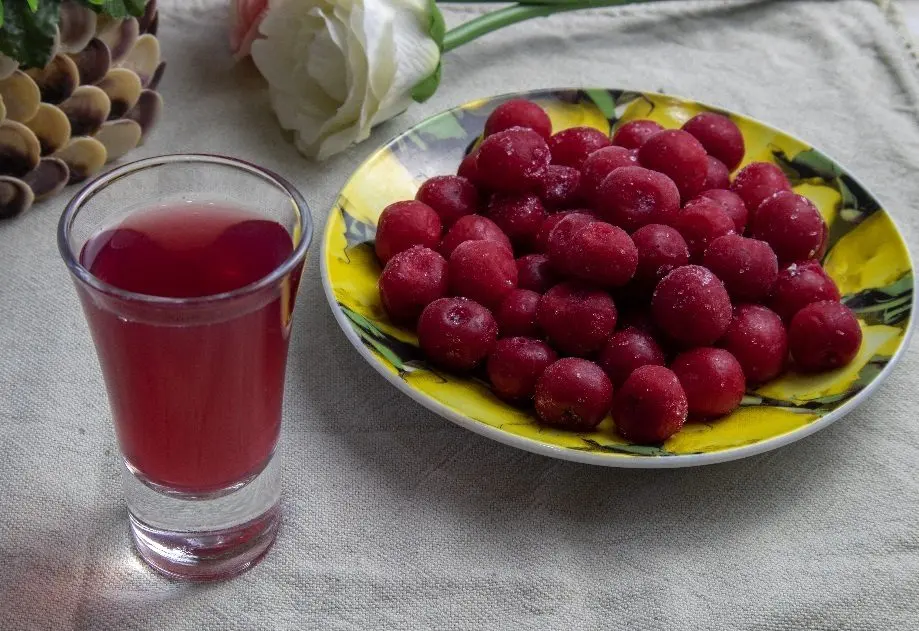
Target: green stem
pixel 525 10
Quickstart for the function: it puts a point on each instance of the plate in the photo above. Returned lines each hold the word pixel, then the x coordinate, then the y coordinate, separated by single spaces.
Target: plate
pixel 866 257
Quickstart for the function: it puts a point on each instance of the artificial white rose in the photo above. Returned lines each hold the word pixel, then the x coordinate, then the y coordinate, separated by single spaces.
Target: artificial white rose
pixel 336 68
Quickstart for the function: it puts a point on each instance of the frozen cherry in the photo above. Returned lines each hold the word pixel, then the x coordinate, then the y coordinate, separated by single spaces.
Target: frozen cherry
pixel 719 135
pixel 601 163
pixel 405 224
pixel 512 161
pixel 679 156
pixel 700 222
pixel 542 237
pixel 576 319
pixel 730 204
pixel 712 379
pixel 627 350
pixel 691 305
pixel 469 168
pixel 456 333
pixel 651 406
pixel 632 135
pixel 632 197
pixel 791 225
pixel 534 272
pixel 757 181
pixel 516 365
pixel 747 267
pixel 824 336
pixel 451 197
pixel 660 250
pixel 717 177
pixel 473 228
pixel 602 255
pixel 798 285
pixel 570 147
pixel 561 187
pixel 519 113
pixel 517 314
pixel 757 340
pixel 483 271
pixel 573 394
pixel 560 237
pixel 411 280
pixel 519 216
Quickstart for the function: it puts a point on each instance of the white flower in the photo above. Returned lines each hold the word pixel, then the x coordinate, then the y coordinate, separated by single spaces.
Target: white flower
pixel 336 68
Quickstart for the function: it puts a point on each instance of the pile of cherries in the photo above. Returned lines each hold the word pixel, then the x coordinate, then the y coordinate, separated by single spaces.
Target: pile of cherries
pixel 629 274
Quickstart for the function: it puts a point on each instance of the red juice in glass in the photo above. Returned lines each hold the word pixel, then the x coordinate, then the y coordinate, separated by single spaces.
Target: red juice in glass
pixel 196 400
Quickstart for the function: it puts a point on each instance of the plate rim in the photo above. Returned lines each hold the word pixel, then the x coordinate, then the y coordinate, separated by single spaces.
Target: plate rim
pixel 609 459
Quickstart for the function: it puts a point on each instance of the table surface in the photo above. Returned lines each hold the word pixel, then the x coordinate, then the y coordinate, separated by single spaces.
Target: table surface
pixel 397 519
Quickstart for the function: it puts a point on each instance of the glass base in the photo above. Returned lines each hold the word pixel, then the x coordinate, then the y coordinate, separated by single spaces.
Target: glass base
pixel 205 537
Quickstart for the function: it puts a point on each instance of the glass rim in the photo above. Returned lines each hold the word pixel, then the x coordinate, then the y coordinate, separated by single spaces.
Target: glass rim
pixel 102 182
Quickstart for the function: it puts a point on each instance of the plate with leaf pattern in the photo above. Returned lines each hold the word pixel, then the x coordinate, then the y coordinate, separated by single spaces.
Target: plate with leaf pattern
pixel 867 258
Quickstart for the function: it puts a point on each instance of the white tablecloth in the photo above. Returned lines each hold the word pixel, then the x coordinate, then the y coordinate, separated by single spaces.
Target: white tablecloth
pixel 396 519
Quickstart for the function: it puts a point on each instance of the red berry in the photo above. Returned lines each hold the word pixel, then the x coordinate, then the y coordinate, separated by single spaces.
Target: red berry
pixel 560 238
pixel 534 272
pixel 712 379
pixel 411 280
pixel 700 222
pixel 691 305
pixel 406 224
pixel 519 216
pixel 542 237
pixel 632 197
pixel 483 271
pixel 601 163
pixel 451 197
pixel 717 177
pixel 730 204
pixel 757 339
pixel 517 314
pixel 679 156
pixel 469 168
pixel 798 285
pixel 757 181
pixel 512 161
pixel 516 365
pixel 632 135
pixel 456 333
pixel 561 187
pixel 473 228
pixel 576 319
pixel 519 113
pixel 791 224
pixel 824 336
pixel 651 406
pixel 747 267
pixel 573 394
pixel 660 250
pixel 570 147
pixel 602 255
pixel 719 135
pixel 627 350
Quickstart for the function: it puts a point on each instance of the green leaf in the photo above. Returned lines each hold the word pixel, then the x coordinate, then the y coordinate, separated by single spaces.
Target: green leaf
pixel 426 88
pixel 1 14
pixel 437 27
pixel 604 102
pixel 635 450
pixel 28 36
pixel 116 8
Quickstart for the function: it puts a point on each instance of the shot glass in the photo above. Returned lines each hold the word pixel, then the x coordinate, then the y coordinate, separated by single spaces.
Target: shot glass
pixel 193 361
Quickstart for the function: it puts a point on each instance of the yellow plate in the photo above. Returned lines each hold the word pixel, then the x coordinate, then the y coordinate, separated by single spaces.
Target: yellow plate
pixel 866 257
